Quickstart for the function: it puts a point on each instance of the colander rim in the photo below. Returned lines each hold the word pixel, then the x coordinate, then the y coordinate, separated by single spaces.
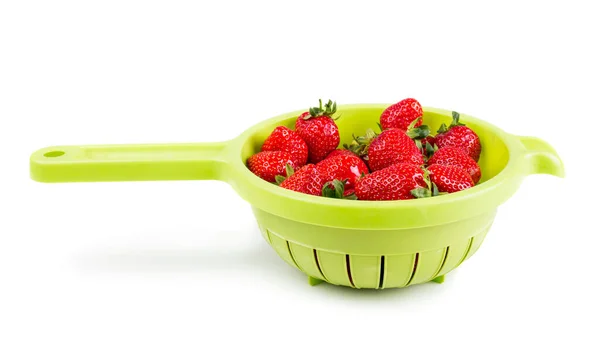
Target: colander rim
pixel 495 190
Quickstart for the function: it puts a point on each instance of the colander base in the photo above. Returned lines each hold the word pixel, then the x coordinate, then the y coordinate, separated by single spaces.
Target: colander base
pixel 374 272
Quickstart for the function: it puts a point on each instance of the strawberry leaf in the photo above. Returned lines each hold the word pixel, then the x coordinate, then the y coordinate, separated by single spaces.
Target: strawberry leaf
pixel 429 149
pixel 327 191
pixel 279 179
pixel 455 118
pixel 419 132
pixel 330 109
pixel 427 179
pixel 420 192
pixel 435 191
pixel 339 188
pixel 335 189
pixel 314 112
pixel 443 128
pixel 289 170
pixel 413 123
pixel 351 196
pixel 419 144
pixel 370 135
pixel 360 144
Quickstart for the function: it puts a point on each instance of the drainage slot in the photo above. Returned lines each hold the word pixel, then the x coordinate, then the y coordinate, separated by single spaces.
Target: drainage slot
pixel 269 237
pixel 292 255
pixel 348 270
pixel 318 264
pixel 381 272
pixel 443 262
pixel 414 271
pixel 466 252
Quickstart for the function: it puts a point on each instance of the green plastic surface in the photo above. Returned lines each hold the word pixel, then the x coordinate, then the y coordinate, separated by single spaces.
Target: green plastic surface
pixel 361 244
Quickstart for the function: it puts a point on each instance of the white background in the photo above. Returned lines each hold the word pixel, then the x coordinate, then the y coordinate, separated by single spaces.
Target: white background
pixel 176 272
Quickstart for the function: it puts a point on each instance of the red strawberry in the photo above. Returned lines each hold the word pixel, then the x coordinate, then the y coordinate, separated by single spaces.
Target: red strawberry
pixel 306 180
pixel 451 156
pixel 319 131
pixel 393 146
pixel 339 152
pixel 392 183
pixel 450 178
pixel 269 164
pixel 287 140
pixel 343 167
pixel 402 114
pixel 459 135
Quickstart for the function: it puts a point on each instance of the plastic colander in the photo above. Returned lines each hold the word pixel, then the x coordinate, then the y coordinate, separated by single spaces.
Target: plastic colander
pixel 361 244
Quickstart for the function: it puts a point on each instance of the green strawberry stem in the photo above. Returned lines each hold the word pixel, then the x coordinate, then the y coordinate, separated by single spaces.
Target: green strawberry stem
pixel 351 196
pixel 336 189
pixel 426 148
pixel 455 118
pixel 360 144
pixel 413 123
pixel 455 122
pixel 289 170
pixel 330 109
pixel 429 149
pixel 420 192
pixel 419 132
pixel 430 191
pixel 419 144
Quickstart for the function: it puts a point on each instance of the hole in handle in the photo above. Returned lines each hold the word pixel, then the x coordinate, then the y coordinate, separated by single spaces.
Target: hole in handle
pixel 54 154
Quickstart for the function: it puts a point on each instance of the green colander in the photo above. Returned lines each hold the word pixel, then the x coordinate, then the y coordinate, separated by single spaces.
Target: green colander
pixel 360 244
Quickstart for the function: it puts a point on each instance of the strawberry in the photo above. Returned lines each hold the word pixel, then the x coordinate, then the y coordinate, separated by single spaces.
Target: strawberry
pixel 390 147
pixel 401 115
pixel 269 164
pixel 306 180
pixel 343 167
pixel 319 131
pixel 392 183
pixel 451 156
pixel 287 140
pixel 393 146
pixel 339 152
pixel 449 178
pixel 459 135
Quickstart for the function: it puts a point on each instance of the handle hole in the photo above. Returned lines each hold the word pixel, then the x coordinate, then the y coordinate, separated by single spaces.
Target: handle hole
pixel 54 154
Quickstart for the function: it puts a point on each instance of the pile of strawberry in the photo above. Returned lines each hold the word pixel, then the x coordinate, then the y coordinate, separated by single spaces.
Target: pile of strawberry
pixel 403 161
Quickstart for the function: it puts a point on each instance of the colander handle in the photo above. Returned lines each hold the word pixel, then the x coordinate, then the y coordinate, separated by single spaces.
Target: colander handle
pixel 541 157
pixel 142 162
